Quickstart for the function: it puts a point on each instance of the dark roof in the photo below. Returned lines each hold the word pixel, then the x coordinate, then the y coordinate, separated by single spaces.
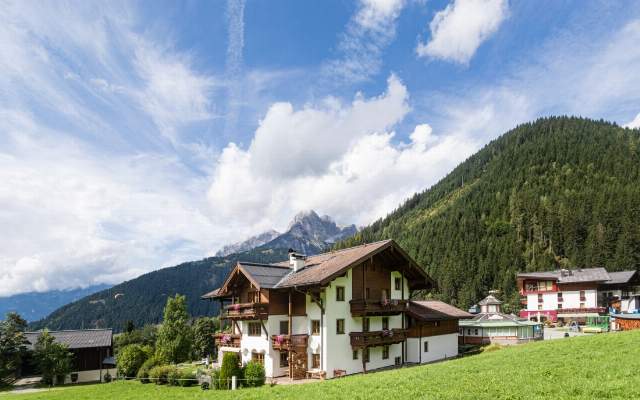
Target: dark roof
pixel 76 339
pixel 321 269
pixel 432 310
pixel 620 277
pixel 266 276
pixel 570 276
pixel 489 300
pixel 211 295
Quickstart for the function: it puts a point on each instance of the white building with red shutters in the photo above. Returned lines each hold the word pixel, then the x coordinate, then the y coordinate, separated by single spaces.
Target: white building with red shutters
pixel 574 295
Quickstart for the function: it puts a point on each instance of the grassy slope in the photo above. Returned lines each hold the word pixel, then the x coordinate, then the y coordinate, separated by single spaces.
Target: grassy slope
pixel 603 366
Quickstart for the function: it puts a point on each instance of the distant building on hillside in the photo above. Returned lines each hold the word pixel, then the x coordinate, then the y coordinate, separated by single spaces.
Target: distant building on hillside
pixel 490 325
pixel 574 295
pixel 92 353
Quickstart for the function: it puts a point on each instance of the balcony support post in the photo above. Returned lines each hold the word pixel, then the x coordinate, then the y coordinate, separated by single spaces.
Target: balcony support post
pixel 290 355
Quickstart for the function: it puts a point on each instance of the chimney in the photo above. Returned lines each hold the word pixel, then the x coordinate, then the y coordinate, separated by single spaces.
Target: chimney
pixel 296 261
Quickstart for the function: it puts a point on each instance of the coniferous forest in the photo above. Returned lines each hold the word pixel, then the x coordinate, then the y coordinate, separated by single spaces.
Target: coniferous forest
pixel 558 192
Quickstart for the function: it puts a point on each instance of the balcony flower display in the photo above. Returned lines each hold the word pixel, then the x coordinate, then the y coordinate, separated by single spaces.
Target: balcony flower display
pixel 279 340
pixel 226 339
pixel 387 333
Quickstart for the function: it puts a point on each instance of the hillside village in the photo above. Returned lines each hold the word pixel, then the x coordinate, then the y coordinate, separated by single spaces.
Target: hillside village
pixel 336 199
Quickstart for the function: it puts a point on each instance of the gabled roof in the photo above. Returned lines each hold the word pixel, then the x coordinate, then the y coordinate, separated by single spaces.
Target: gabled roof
pixel 434 310
pixel 489 300
pixel 76 339
pixel 496 320
pixel 321 269
pixel 570 276
pixel 620 277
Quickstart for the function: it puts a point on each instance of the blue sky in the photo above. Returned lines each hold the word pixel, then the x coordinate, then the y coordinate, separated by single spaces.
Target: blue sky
pixel 136 135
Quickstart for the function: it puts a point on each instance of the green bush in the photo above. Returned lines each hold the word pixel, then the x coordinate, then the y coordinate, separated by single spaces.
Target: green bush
pixel 130 359
pixel 143 372
pixel 215 378
pixel 173 377
pixel 160 373
pixel 254 374
pixel 187 378
pixel 230 367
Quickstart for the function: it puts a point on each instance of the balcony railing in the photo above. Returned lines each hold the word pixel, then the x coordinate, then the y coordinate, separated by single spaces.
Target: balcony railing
pixel 246 311
pixel 599 310
pixel 377 338
pixel 289 342
pixel 227 340
pixel 360 308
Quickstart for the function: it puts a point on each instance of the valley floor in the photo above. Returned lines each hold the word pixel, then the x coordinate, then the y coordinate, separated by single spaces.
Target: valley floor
pixel 599 366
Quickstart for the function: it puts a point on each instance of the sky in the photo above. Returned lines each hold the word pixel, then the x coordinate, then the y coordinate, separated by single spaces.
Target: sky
pixel 138 135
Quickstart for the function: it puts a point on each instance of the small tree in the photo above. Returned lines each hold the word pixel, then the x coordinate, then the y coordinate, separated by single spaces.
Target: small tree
pixel 129 326
pixel 230 367
pixel 254 374
pixel 175 337
pixel 130 359
pixel 12 344
pixel 203 331
pixel 53 359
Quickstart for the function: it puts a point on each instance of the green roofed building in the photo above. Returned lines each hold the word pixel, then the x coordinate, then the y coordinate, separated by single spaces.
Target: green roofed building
pixel 493 326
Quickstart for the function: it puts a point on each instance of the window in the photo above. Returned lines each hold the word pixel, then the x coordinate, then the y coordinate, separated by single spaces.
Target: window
pixel 468 331
pixel 340 326
pixel 339 293
pixel 475 331
pixel 398 283
pixel 581 305
pixel 385 323
pixel 365 324
pixel 366 293
pixel 315 361
pixel 255 329
pixel 559 306
pixel 257 357
pixel 559 297
pixel 426 347
pixel 365 354
pixel 436 323
pixel 385 352
pixel 284 327
pixel 284 359
pixel 398 361
pixel 582 296
pixel 315 326
pixel 539 297
pixel 539 306
pixel 355 354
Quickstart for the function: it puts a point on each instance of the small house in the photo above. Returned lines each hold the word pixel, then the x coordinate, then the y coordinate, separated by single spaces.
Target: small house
pixel 491 325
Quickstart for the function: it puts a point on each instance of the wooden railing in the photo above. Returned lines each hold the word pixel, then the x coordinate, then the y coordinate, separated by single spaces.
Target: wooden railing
pixel 361 308
pixel 377 338
pixel 246 311
pixel 599 310
pixel 227 339
pixel 290 342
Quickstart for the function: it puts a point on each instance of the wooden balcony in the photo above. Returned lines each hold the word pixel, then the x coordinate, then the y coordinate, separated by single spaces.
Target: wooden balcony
pixel 246 311
pixel 227 340
pixel 290 342
pixel 362 308
pixel 377 338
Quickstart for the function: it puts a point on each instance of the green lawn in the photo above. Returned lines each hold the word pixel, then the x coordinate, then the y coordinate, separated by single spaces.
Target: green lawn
pixel 602 366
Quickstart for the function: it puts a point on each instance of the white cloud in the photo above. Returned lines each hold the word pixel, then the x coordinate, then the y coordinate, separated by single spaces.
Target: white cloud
pixel 459 29
pixel 78 217
pixel 635 123
pixel 338 159
pixel 369 32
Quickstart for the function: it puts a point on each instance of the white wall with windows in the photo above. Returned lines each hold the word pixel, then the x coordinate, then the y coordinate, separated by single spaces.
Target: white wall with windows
pixel 433 348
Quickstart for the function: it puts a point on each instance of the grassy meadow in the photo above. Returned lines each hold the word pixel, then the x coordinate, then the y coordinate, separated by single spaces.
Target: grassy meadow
pixel 602 366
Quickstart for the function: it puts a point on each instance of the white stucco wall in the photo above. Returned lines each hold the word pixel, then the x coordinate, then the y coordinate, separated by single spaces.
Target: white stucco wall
pixel 91 376
pixel 570 299
pixel 440 347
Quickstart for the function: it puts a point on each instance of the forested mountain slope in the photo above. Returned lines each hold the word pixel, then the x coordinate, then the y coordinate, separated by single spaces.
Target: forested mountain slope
pixel 142 299
pixel 556 192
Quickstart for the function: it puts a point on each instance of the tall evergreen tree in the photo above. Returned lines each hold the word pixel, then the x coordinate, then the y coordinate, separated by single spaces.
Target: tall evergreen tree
pixel 175 337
